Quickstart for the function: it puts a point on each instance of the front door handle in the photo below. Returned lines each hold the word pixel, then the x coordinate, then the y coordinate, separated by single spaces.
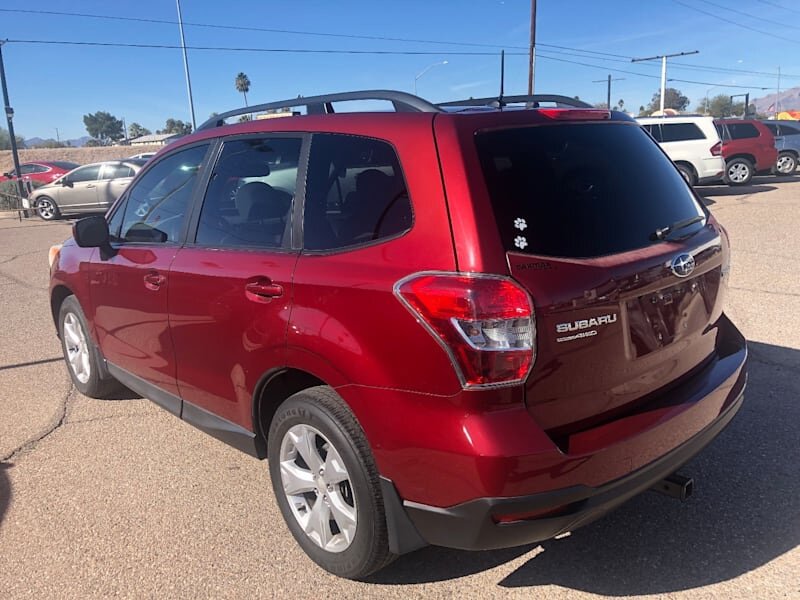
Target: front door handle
pixel 154 280
pixel 263 290
pixel 90 186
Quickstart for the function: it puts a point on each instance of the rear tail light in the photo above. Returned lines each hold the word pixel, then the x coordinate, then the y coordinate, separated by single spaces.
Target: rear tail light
pixel 572 114
pixel 716 149
pixel 484 322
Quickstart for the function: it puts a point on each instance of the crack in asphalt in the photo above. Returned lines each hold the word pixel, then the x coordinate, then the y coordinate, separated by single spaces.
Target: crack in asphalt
pixel 106 418
pixel 16 256
pixel 770 292
pixel 24 284
pixel 54 425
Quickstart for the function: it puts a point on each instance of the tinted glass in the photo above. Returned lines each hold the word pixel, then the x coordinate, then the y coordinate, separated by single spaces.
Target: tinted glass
pixel 158 202
pixel 742 131
pixel 249 199
pixel 773 127
pixel 85 174
pixel 680 132
pixel 28 169
pixel 722 131
pixel 355 193
pixel 789 129
pixel 62 164
pixel 116 170
pixel 581 190
pixel 654 130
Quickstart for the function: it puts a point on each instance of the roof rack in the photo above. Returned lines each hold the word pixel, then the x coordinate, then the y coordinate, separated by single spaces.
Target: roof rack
pixel 321 105
pixel 534 100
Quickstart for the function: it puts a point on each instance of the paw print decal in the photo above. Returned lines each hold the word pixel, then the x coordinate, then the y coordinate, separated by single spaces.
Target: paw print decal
pixel 520 242
pixel 520 224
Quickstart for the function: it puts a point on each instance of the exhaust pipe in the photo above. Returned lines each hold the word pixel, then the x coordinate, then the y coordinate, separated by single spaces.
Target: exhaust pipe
pixel 675 486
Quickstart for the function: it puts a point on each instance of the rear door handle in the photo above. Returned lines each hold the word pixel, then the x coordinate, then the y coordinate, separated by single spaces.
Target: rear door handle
pixel 263 290
pixel 154 280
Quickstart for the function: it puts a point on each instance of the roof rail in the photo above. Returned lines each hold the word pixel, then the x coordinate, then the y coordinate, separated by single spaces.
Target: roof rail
pixel 320 105
pixel 533 100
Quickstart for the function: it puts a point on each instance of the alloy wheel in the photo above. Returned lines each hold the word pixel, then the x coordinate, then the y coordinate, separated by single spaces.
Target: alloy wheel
pixel 318 488
pixel 77 349
pixel 785 165
pixel 46 209
pixel 738 173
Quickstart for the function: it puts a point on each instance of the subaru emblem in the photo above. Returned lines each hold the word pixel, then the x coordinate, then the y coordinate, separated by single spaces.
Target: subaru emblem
pixel 682 265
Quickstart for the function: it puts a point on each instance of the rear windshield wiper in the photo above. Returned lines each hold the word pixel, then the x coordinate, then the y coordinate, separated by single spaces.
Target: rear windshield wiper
pixel 663 232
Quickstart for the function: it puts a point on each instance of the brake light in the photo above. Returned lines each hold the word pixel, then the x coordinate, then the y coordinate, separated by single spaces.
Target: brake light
pixel 484 322
pixel 716 149
pixel 572 114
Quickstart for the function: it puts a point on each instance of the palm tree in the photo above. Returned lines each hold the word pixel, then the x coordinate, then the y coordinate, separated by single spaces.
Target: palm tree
pixel 243 85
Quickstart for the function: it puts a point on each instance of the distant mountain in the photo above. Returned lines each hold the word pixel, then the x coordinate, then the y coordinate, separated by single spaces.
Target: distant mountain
pixel 75 143
pixel 788 100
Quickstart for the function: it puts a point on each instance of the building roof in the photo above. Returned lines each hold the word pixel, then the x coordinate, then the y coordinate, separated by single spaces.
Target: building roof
pixel 155 138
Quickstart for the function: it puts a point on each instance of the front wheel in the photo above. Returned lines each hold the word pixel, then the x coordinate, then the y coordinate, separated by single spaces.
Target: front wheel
pixel 326 484
pixel 80 353
pixel 687 173
pixel 47 209
pixel 738 171
pixel 786 164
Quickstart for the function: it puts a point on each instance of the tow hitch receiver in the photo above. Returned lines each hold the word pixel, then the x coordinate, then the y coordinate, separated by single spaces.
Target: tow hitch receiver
pixel 675 486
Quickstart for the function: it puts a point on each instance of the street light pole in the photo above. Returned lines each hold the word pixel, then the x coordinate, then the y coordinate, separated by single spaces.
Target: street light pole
pixel 10 120
pixel 532 50
pixel 425 70
pixel 664 58
pixel 186 64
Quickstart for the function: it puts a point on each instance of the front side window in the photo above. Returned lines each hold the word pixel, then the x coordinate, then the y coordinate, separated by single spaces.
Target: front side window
pixel 249 198
pixel 156 206
pixel 355 193
pixel 89 173
pixel 789 130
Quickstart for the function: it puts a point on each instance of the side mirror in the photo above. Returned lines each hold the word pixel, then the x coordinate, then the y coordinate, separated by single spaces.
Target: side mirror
pixel 9 175
pixel 91 232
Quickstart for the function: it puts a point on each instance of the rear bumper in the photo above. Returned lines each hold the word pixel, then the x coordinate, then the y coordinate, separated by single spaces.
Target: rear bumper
pixel 488 522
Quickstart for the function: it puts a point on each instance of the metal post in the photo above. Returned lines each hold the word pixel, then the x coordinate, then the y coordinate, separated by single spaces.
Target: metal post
pixel 663 82
pixel 186 64
pixel 608 81
pixel 532 50
pixel 10 120
pixel 778 95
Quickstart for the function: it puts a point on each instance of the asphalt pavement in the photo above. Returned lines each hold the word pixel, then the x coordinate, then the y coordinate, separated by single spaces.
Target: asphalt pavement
pixel 118 498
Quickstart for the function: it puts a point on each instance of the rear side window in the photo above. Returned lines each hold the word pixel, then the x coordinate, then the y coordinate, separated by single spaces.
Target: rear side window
pixel 773 127
pixel 115 171
pixel 653 129
pixel 355 193
pixel 680 132
pixel 742 131
pixel 789 130
pixel 581 190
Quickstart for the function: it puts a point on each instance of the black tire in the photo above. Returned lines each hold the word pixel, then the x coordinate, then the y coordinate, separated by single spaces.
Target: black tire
pixel 47 209
pixel 688 174
pixel 87 378
pixel 322 410
pixel 786 164
pixel 738 171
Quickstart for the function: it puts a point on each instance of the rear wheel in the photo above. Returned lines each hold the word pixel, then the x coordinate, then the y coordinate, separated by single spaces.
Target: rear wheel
pixel 786 164
pixel 326 484
pixel 738 171
pixel 688 174
pixel 80 353
pixel 47 209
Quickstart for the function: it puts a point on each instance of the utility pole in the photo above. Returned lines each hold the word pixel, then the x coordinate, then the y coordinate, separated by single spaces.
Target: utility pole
pixel 608 90
pixel 532 50
pixel 58 138
pixel 664 58
pixel 186 64
pixel 778 95
pixel 10 121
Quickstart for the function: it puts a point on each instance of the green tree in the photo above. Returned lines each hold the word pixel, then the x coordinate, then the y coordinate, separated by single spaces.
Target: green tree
pixel 5 140
pixel 135 130
pixel 176 126
pixel 242 83
pixel 92 143
pixel 721 106
pixel 104 126
pixel 672 99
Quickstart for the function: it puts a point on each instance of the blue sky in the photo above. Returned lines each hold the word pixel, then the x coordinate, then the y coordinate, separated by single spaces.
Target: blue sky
pixel 53 86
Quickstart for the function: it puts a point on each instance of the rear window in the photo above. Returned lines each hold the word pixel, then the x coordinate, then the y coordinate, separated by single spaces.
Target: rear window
pixel 680 132
pixel 581 190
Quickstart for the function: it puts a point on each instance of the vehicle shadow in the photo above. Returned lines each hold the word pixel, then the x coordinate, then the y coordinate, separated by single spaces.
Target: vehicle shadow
pixel 5 489
pixel 747 486
pixel 725 190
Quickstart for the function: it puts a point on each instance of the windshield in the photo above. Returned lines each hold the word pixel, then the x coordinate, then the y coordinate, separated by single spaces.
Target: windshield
pixel 582 190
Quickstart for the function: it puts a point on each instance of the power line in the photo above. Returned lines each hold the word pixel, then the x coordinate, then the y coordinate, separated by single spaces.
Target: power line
pixel 776 5
pixel 748 15
pixel 719 18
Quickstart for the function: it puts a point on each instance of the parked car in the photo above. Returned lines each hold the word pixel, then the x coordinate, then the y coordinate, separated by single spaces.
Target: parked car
pixel 787 143
pixel 475 329
pixel 692 143
pixel 90 188
pixel 41 172
pixel 748 147
pixel 143 155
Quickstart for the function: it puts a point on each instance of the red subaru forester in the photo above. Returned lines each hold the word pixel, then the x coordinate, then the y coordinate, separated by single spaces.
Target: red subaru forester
pixel 464 325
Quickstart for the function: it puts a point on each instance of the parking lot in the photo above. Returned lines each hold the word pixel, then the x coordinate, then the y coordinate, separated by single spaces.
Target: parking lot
pixel 119 498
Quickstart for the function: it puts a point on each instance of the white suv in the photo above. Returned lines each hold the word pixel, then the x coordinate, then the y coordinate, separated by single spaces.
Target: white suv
pixel 692 143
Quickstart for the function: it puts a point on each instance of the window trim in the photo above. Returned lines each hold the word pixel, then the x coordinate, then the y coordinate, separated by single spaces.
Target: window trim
pixel 342 249
pixel 288 246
